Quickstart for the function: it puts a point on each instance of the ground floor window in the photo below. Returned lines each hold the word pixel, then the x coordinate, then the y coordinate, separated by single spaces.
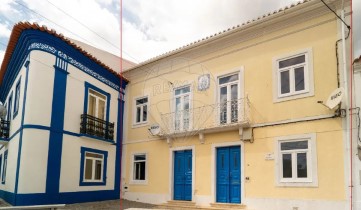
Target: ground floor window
pixel 93 166
pixel 296 161
pixel 139 168
pixel 3 175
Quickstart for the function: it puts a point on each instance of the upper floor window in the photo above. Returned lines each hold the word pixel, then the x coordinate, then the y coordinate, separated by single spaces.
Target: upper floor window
pixel 141 110
pixel 228 98
pixel 3 175
pixel 297 160
pixel 294 76
pixel 96 104
pixel 182 107
pixel 17 98
pixel 10 104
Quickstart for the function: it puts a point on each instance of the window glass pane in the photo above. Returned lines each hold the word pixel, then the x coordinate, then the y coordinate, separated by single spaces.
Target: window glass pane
pixel 223 105
pixel 142 171
pixel 101 110
pixel 292 61
pixel 302 165
pixel 287 165
pixel 285 82
pixel 142 101
pixel 138 115
pixel 228 79
pixel 234 92
pixel 91 105
pixel 94 155
pixel 182 90
pixel 139 157
pixel 97 94
pixel 88 168
pixel 98 170
pixel 136 171
pixel 186 102
pixel 294 145
pixel 299 79
pixel 145 113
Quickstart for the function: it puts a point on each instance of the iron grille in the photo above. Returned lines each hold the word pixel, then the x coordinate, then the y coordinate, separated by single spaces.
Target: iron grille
pixel 4 128
pixel 96 127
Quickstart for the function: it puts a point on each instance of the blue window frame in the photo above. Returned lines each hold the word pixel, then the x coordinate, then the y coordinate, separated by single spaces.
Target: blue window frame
pixel 9 106
pixel 93 167
pixel 17 98
pixel 90 88
pixel 1 161
pixel 3 177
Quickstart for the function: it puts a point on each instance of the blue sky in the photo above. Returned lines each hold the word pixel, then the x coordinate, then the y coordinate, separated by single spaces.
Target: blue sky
pixel 150 27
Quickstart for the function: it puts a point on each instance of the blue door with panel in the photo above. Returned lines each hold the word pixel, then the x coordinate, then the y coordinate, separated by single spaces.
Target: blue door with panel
pixel 228 175
pixel 183 175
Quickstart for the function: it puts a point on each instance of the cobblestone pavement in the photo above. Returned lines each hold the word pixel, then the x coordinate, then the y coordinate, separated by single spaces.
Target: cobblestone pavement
pixel 102 205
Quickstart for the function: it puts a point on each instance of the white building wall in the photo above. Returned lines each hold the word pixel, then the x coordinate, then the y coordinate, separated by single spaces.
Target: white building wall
pixel 12 148
pixel 70 164
pixel 356 160
pixel 40 89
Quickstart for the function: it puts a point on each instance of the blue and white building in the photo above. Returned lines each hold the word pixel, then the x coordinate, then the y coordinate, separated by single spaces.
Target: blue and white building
pixel 61 138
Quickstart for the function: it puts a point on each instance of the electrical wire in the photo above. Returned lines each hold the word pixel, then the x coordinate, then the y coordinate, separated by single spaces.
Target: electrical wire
pixel 349 27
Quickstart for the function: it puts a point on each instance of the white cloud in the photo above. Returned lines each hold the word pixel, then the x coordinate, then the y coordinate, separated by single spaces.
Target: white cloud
pixel 2 53
pixel 4 30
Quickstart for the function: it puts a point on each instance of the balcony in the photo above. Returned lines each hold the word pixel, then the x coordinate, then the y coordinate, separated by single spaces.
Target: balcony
pixel 4 130
pixel 229 115
pixel 97 128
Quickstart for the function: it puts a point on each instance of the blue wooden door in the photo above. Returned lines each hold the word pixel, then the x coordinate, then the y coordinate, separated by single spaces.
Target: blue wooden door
pixel 228 175
pixel 183 175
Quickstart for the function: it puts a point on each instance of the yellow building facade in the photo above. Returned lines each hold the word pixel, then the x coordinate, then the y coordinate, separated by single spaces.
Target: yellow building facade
pixel 235 118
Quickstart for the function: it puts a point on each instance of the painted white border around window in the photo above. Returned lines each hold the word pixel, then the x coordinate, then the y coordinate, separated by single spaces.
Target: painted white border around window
pixel 312 181
pixel 131 178
pixel 171 169
pixel 134 112
pixel 309 80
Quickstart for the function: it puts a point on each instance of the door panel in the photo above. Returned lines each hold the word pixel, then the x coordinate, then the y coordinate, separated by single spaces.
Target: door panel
pixel 183 175
pixel 228 175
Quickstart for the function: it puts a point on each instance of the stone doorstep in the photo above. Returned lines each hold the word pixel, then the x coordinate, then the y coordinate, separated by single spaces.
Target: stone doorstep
pixel 188 205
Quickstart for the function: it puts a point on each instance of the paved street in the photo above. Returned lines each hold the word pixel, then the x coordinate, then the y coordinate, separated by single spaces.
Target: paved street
pixel 103 205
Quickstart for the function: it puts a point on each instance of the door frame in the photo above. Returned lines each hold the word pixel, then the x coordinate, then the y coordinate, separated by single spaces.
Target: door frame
pixel 214 168
pixel 171 169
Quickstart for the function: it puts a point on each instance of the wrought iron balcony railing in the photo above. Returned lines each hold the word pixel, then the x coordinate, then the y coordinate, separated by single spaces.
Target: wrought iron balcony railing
pixel 4 128
pixel 96 127
pixel 229 113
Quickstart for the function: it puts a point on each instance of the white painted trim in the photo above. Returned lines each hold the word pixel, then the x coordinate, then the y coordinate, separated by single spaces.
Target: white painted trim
pixel 308 71
pixel 138 182
pixel 134 111
pixel 171 169
pixel 311 181
pixel 213 171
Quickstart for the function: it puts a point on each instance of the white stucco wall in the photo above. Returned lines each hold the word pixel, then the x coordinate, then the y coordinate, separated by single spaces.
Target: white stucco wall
pixel 40 89
pixel 34 161
pixel 12 148
pixel 70 164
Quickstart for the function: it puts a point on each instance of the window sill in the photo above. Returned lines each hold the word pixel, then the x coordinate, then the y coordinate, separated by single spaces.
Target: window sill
pixel 92 183
pixel 138 182
pixel 87 136
pixel 139 125
pixel 294 96
pixel 297 184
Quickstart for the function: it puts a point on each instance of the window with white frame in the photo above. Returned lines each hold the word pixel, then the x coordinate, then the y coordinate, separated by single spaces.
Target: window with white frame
pixel 141 110
pixel 228 98
pixel 182 105
pixel 297 162
pixel 139 167
pixel 294 75
pixel 93 167
pixel 96 104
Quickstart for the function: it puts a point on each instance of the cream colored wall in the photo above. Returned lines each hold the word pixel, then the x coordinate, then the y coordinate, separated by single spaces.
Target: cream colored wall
pixel 255 56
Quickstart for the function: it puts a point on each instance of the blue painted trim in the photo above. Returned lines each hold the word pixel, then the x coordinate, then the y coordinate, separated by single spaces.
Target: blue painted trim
pixel 1 161
pixel 96 138
pixel 56 134
pixel 83 150
pixel 5 166
pixel 17 99
pixel 118 154
pixel 93 87
pixel 62 198
pixel 21 133
pixel 37 40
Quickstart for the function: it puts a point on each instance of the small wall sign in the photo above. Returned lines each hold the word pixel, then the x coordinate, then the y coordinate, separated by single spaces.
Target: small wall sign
pixel 269 156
